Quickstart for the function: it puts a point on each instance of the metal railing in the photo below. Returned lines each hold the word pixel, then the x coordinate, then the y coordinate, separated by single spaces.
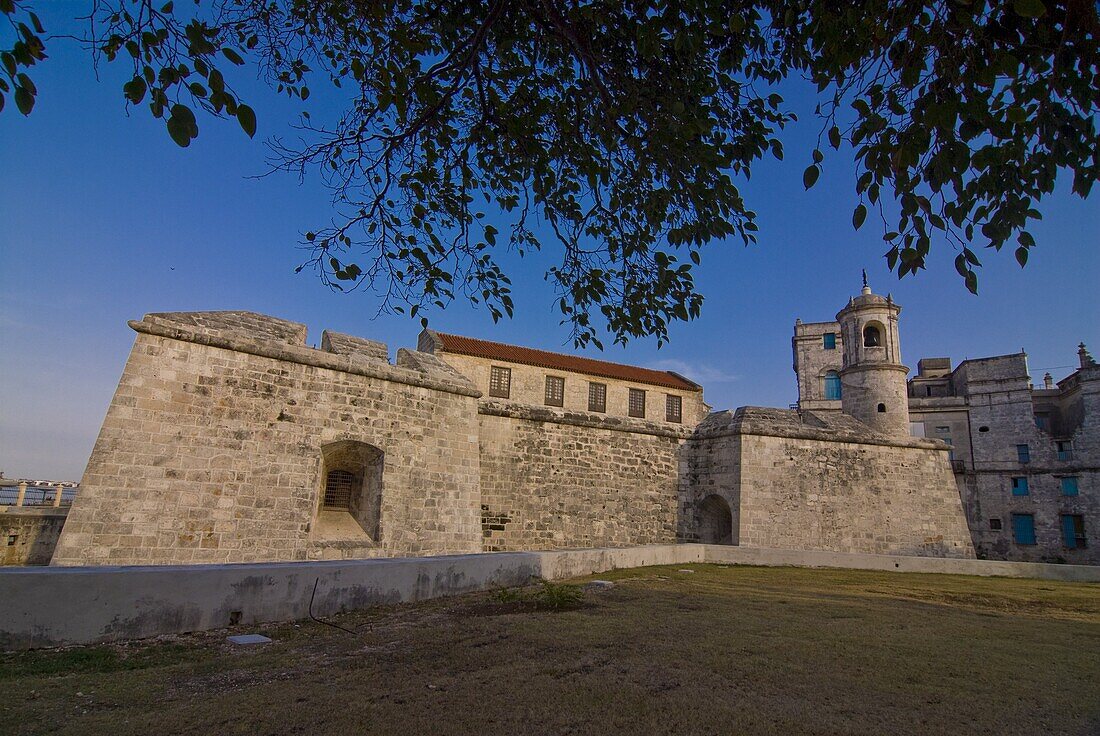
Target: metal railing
pixel 25 494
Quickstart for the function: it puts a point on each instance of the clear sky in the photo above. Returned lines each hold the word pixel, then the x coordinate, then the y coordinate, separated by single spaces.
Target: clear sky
pixel 105 219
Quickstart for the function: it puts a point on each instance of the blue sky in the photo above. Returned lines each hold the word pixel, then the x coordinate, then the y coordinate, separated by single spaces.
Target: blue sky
pixel 105 219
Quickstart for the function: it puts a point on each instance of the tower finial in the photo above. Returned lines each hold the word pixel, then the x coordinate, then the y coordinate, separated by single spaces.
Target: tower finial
pixel 865 278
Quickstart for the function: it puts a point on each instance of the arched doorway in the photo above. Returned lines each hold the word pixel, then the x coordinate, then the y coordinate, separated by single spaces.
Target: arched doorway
pixel 715 521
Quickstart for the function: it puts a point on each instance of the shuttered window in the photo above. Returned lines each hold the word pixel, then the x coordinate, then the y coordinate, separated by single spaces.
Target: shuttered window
pixel 1023 528
pixel 500 382
pixel 1073 531
pixel 597 397
pixel 673 408
pixel 636 407
pixel 1069 485
pixel 555 390
pixel 1019 487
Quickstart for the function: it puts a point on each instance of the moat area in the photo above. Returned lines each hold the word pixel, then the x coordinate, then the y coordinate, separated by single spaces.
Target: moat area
pixel 696 649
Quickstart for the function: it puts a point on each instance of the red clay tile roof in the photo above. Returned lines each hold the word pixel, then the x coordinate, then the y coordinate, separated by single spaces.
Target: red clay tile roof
pixel 557 361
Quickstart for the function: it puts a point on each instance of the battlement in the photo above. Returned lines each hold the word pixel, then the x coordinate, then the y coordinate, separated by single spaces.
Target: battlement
pixel 271 337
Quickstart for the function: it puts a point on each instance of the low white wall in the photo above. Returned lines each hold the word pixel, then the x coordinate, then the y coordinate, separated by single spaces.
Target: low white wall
pixel 55 606
pixel 43 607
pixel 899 563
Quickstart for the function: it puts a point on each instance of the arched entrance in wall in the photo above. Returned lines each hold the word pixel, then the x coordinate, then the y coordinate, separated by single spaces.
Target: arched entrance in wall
pixel 715 521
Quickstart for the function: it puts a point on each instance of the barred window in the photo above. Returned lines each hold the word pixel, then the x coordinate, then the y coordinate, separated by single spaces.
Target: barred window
pixel 673 408
pixel 555 390
pixel 338 485
pixel 597 397
pixel 500 382
pixel 636 407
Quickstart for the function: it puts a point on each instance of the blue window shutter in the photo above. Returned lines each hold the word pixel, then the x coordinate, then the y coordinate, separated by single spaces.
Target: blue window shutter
pixel 1069 486
pixel 1019 487
pixel 832 385
pixel 1023 528
pixel 1069 538
pixel 829 340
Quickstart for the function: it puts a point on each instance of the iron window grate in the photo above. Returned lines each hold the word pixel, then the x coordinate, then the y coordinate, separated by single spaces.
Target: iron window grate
pixel 338 486
pixel 636 407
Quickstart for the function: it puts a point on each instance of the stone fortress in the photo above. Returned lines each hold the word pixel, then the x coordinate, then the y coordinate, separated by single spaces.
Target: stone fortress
pixel 229 440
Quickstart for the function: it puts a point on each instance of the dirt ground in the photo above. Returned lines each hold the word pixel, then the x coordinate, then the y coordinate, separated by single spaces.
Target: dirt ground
pixel 718 650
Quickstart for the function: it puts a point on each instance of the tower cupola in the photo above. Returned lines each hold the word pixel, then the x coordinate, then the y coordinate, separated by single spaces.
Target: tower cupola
pixel 873 387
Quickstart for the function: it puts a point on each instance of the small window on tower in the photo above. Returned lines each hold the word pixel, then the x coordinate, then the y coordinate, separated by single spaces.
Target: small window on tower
pixel 872 338
pixel 882 408
pixel 995 525
pixel 828 341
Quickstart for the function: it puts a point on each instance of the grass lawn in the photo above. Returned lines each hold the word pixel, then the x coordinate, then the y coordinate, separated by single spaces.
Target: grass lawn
pixel 721 650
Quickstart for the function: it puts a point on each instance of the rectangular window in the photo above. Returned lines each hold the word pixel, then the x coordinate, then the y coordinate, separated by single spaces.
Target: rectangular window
pixel 1073 531
pixel 500 382
pixel 1023 453
pixel 1069 486
pixel 555 391
pixel 1023 528
pixel 1019 487
pixel 636 406
pixel 943 430
pixel 597 397
pixel 1041 421
pixel 995 525
pixel 828 341
pixel 1065 451
pixel 673 408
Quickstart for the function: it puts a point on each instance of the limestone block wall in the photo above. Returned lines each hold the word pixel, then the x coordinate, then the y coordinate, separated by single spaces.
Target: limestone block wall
pixel 849 497
pixel 823 481
pixel 552 479
pixel 29 534
pixel 212 448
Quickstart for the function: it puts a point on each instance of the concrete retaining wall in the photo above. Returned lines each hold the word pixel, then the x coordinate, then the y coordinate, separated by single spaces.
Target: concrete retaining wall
pixel 47 607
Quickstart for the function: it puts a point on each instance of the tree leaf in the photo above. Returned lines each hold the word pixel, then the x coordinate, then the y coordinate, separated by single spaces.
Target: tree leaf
pixel 247 118
pixel 1030 8
pixel 233 56
pixel 859 216
pixel 809 176
pixel 24 100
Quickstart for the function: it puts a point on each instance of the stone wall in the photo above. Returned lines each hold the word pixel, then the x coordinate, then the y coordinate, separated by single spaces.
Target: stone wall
pixel 812 360
pixel 29 534
pixel 823 482
pixel 213 448
pixel 552 478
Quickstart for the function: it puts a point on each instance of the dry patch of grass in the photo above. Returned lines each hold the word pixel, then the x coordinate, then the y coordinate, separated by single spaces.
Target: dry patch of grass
pixel 720 650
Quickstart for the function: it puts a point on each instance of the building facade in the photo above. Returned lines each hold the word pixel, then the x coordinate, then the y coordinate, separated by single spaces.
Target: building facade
pixel 229 440
pixel 1025 458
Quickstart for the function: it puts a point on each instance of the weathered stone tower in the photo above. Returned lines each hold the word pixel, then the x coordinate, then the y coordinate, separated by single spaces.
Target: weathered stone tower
pixel 873 388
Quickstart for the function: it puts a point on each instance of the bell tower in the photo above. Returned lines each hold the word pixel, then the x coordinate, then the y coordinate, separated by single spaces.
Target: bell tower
pixel 873 387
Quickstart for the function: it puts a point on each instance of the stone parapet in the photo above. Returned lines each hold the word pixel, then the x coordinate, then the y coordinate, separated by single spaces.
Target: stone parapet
pixel 353 357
